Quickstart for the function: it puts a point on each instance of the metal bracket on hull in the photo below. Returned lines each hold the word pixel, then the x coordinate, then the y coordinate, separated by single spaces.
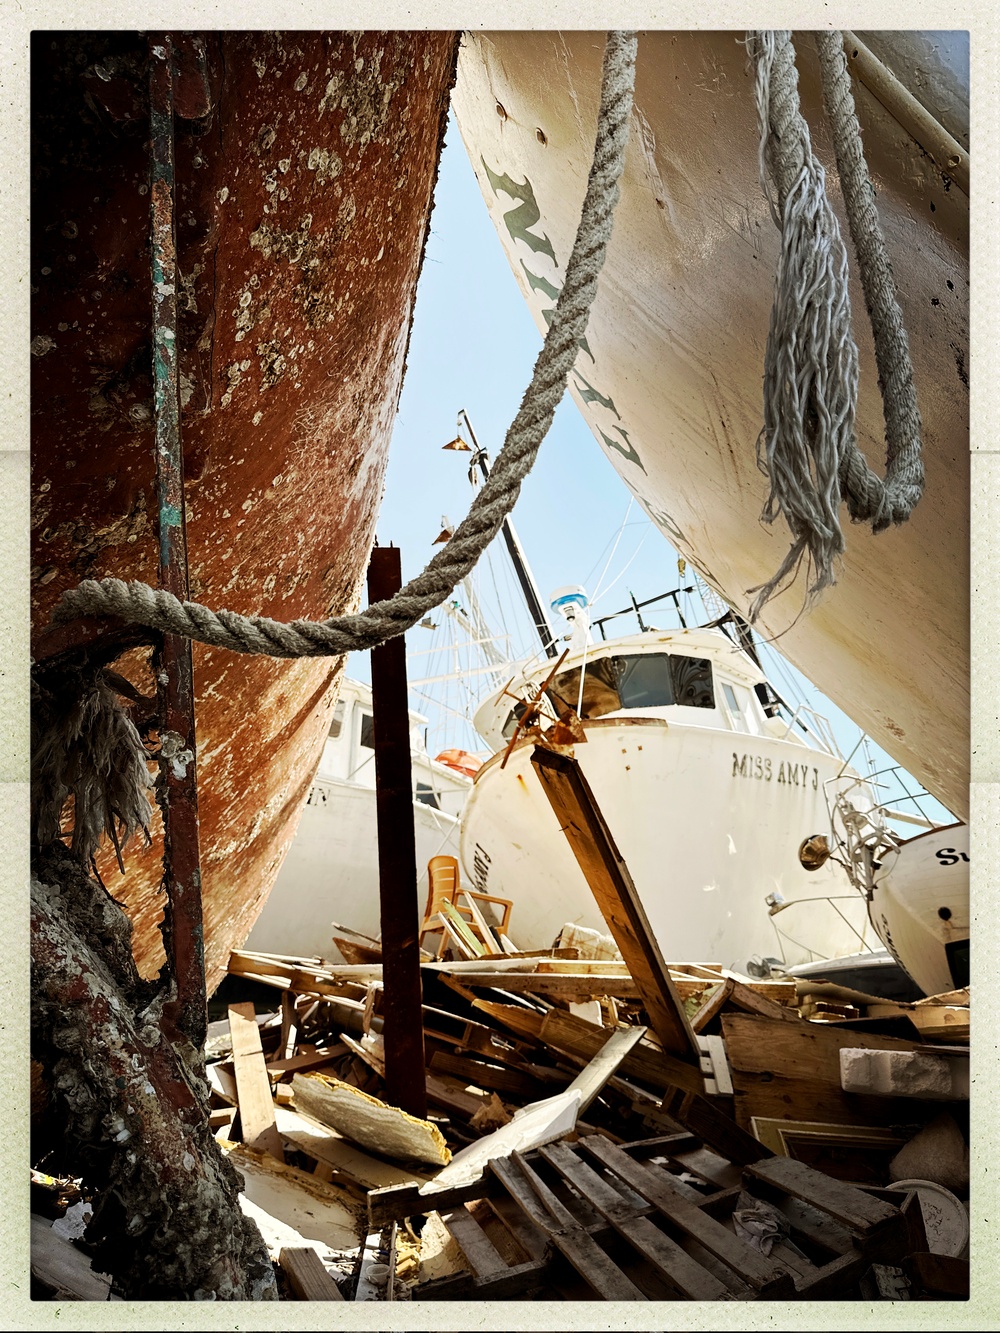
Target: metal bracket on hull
pixel 177 792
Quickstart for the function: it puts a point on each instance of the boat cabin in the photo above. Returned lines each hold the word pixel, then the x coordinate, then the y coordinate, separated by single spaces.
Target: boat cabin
pixel 349 752
pixel 695 677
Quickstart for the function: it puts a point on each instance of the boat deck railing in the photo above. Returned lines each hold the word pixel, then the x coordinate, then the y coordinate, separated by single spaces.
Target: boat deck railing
pixel 816 727
pixel 895 782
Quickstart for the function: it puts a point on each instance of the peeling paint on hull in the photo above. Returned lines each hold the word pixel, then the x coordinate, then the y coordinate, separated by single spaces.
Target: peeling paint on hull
pixel 305 179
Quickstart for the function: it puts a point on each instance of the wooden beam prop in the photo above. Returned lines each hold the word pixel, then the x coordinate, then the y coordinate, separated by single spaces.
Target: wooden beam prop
pixel 611 884
pixel 397 856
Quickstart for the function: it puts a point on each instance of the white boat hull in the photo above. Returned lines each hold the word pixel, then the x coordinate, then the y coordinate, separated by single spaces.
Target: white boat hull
pixel 670 379
pixel 709 823
pixel 331 871
pixel 920 907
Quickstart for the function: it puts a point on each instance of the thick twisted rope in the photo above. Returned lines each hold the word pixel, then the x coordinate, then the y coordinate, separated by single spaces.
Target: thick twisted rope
pixel 138 603
pixel 868 496
pixel 811 363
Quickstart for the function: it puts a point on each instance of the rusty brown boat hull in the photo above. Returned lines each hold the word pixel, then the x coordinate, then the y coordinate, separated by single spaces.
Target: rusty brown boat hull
pixel 304 180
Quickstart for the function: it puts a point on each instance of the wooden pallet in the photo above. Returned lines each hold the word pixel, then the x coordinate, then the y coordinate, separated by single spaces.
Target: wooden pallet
pixel 654 1221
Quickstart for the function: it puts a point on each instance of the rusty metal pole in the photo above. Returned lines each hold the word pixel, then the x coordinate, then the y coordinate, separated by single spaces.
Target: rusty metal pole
pixel 177 792
pixel 402 1017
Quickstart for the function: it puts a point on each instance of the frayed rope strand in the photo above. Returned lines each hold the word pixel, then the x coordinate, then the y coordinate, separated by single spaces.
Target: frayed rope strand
pixel 808 446
pixel 138 603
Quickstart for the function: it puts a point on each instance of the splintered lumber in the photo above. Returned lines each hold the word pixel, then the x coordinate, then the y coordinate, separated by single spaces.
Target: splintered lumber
pixel 307 1275
pixel 300 1063
pixel 731 993
pixel 289 1026
pixel 607 874
pixel 369 1122
pixel 570 986
pixel 253 1087
pixel 495 1078
pixel 535 1124
pixel 567 1032
pixel 525 1022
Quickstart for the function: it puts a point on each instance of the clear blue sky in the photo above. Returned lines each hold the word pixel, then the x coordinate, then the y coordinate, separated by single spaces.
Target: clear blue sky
pixel 473 346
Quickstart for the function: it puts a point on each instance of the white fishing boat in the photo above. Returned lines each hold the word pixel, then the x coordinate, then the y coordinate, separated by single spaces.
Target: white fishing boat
pixel 916 888
pixel 669 376
pixel 920 907
pixel 330 874
pixel 708 790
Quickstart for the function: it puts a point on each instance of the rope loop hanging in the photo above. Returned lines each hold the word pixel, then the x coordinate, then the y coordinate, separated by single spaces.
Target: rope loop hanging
pixel 808 445
pixel 138 603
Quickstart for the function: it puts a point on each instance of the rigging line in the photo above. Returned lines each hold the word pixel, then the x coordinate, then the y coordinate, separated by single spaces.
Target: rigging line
pixel 628 565
pixel 621 530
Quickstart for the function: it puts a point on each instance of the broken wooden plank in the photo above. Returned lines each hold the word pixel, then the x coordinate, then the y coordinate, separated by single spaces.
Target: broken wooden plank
pixel 307 1275
pixel 525 1022
pixel 497 1078
pixel 797 1049
pixel 734 994
pixel 712 1126
pixel 63 1269
pixel 592 1079
pixel 253 1087
pixel 766 1278
pixel 569 986
pixel 479 1251
pixel 707 1164
pixel 563 1230
pixel 532 1125
pixel 289 1026
pixel 857 1209
pixel 221 1081
pixel 614 891
pixel 301 1063
pixel 567 1032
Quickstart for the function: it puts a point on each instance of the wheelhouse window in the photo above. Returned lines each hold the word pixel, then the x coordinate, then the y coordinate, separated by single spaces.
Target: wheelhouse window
pixel 513 718
pixel 337 721
pixel 735 711
pixel 427 795
pixel 368 731
pixel 634 681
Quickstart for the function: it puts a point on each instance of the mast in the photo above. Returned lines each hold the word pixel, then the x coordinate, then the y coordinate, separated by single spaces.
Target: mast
pixel 517 556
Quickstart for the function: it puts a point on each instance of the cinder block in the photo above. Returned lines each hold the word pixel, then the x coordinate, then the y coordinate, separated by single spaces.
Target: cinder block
pixel 904 1074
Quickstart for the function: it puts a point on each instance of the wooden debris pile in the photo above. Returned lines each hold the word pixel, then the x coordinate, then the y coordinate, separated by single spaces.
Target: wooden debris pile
pixel 569 1153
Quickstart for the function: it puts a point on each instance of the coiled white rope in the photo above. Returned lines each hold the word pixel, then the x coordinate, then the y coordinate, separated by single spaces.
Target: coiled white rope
pixel 140 604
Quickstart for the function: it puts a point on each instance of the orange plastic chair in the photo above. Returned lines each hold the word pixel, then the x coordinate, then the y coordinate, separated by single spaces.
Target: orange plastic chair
pixel 444 885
